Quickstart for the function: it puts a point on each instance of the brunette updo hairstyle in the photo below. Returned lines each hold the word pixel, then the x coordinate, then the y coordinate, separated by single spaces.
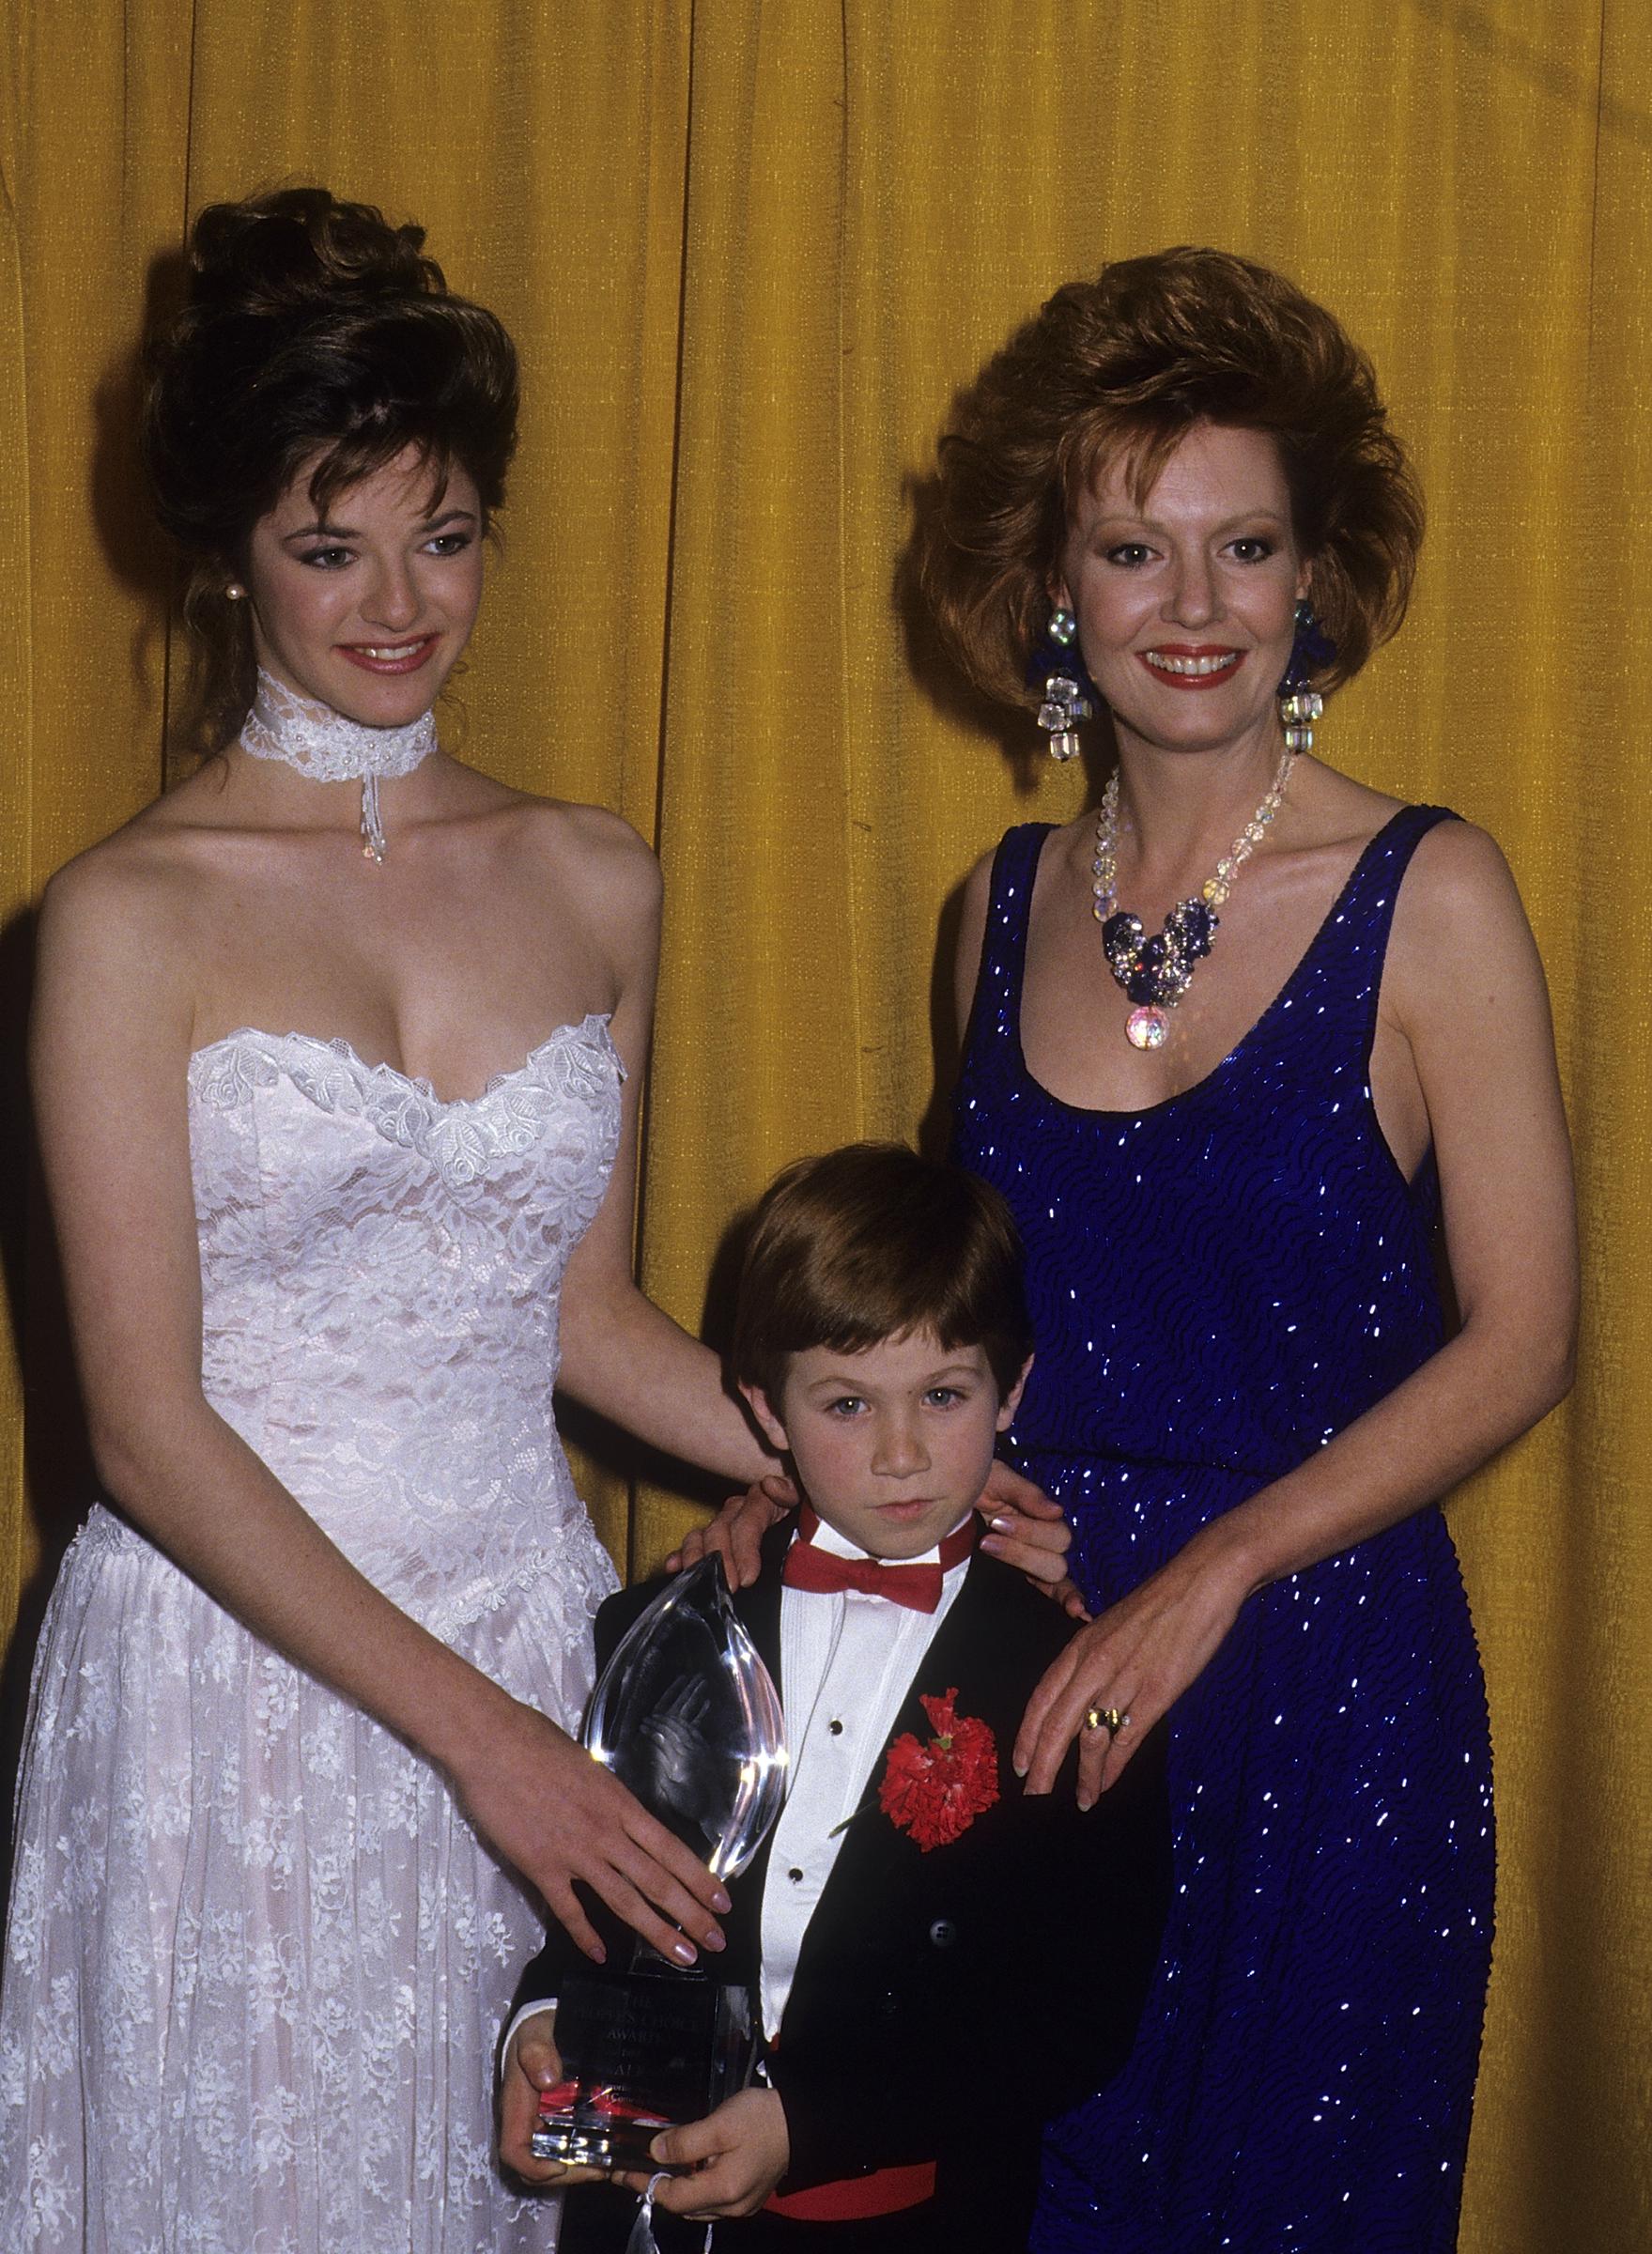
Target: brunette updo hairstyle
pixel 314 333
pixel 1124 366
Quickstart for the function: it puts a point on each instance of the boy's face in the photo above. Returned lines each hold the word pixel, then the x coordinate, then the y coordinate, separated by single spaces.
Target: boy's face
pixel 891 1445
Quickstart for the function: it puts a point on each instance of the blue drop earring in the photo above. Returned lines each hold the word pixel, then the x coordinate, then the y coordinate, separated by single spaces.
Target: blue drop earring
pixel 1299 706
pixel 1055 669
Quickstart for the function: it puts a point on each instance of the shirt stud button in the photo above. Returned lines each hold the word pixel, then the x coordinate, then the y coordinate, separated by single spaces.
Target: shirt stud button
pixel 835 1728
pixel 796 1875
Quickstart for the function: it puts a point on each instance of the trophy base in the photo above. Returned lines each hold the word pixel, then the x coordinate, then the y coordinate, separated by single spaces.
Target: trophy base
pixel 587 2125
pixel 641 2050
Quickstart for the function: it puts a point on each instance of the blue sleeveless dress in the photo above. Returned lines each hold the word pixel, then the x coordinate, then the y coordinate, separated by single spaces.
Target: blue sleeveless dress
pixel 1218 1285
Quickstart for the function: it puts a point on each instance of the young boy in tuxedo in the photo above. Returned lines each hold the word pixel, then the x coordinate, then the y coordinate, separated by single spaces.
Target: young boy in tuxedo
pixel 943 1962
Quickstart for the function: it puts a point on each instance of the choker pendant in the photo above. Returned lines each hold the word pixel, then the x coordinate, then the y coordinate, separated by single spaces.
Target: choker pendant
pixel 1156 972
pixel 316 741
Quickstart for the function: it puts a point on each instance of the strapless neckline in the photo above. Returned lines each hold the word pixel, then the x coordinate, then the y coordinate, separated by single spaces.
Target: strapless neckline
pixel 593 1025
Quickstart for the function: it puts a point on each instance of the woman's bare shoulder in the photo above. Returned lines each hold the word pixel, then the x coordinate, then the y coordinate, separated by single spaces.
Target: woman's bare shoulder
pixel 977 893
pixel 1460 946
pixel 1334 809
pixel 118 947
pixel 1459 889
pixel 128 886
pixel 593 852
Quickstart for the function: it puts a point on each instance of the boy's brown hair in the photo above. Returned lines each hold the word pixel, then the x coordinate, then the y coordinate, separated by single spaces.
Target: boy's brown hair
pixel 871 1243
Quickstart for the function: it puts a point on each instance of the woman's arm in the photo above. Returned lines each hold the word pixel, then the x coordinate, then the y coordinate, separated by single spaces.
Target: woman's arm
pixel 110 1047
pixel 1464 989
pixel 621 1354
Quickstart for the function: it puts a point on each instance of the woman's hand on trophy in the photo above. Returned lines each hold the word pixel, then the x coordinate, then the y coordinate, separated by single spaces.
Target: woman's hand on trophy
pixel 737 2157
pixel 560 1817
pixel 736 1533
pixel 530 2065
pixel 1027 1531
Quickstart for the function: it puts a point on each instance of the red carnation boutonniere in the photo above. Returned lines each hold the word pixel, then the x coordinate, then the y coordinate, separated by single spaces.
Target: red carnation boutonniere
pixel 935 1791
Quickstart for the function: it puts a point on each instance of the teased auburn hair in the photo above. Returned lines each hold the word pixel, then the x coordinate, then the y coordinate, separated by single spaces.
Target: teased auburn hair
pixel 313 334
pixel 1126 365
pixel 871 1243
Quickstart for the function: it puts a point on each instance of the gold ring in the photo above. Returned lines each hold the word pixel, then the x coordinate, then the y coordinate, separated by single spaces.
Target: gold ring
pixel 1111 1718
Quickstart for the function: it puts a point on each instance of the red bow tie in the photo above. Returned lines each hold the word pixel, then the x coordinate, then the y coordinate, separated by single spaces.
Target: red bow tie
pixel 822 1572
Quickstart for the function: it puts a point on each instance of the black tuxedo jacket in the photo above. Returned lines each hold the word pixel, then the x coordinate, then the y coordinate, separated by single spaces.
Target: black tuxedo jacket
pixel 947 2002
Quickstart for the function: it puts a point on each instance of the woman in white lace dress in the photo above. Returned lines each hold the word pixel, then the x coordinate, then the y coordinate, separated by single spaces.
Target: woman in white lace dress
pixel 337 1051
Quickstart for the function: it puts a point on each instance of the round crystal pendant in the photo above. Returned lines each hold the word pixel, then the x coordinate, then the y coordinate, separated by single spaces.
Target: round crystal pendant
pixel 1146 1028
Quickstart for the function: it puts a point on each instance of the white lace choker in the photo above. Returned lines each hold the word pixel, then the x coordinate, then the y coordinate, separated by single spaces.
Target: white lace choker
pixel 328 747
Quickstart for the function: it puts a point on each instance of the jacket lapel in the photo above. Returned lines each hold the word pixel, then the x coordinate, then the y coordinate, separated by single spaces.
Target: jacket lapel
pixel 759 1607
pixel 962 1655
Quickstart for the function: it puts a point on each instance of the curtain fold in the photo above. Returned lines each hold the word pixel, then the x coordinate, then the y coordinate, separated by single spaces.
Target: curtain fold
pixel 748 249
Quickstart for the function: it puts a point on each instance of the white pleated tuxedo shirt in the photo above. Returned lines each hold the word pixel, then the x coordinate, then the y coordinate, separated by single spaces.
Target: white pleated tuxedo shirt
pixel 847 1661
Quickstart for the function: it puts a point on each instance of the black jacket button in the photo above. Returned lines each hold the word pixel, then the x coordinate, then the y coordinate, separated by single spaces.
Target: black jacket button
pixel 943 1933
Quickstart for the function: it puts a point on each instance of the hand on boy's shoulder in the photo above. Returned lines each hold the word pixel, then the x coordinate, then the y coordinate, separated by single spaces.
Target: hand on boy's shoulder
pixel 1030 1634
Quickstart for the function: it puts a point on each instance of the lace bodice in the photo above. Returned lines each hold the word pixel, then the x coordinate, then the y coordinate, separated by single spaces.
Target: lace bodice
pixel 379 1273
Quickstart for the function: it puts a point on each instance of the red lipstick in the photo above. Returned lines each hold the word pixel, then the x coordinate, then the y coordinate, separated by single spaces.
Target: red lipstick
pixel 1191 665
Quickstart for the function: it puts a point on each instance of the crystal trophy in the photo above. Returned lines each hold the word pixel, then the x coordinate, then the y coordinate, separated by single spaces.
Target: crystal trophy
pixel 688 1717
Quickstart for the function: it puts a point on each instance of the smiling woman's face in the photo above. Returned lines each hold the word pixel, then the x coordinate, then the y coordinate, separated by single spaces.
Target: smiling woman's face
pixel 368 610
pixel 1186 601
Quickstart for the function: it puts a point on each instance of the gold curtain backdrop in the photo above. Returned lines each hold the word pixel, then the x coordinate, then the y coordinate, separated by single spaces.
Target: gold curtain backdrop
pixel 747 249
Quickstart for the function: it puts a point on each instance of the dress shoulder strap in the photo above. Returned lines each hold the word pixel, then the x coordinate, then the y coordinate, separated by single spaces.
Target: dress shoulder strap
pixel 996 1008
pixel 1344 966
pixel 1368 897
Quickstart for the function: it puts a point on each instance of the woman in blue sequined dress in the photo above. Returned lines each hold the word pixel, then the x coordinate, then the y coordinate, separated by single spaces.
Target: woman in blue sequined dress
pixel 1230 1155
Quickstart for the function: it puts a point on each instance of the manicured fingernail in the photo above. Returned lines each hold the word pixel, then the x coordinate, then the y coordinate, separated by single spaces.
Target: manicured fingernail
pixel 1001 1524
pixel 720 1903
pixel 991 1545
pixel 1085 1801
pixel 714 1940
pixel 1020 1768
pixel 684 1951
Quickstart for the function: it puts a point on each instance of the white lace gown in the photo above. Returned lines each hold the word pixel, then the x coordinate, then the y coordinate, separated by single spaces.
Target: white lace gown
pixel 257 1958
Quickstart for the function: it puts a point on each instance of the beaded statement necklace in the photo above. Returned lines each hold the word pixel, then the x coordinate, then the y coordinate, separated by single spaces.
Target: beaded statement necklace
pixel 328 747
pixel 1155 973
